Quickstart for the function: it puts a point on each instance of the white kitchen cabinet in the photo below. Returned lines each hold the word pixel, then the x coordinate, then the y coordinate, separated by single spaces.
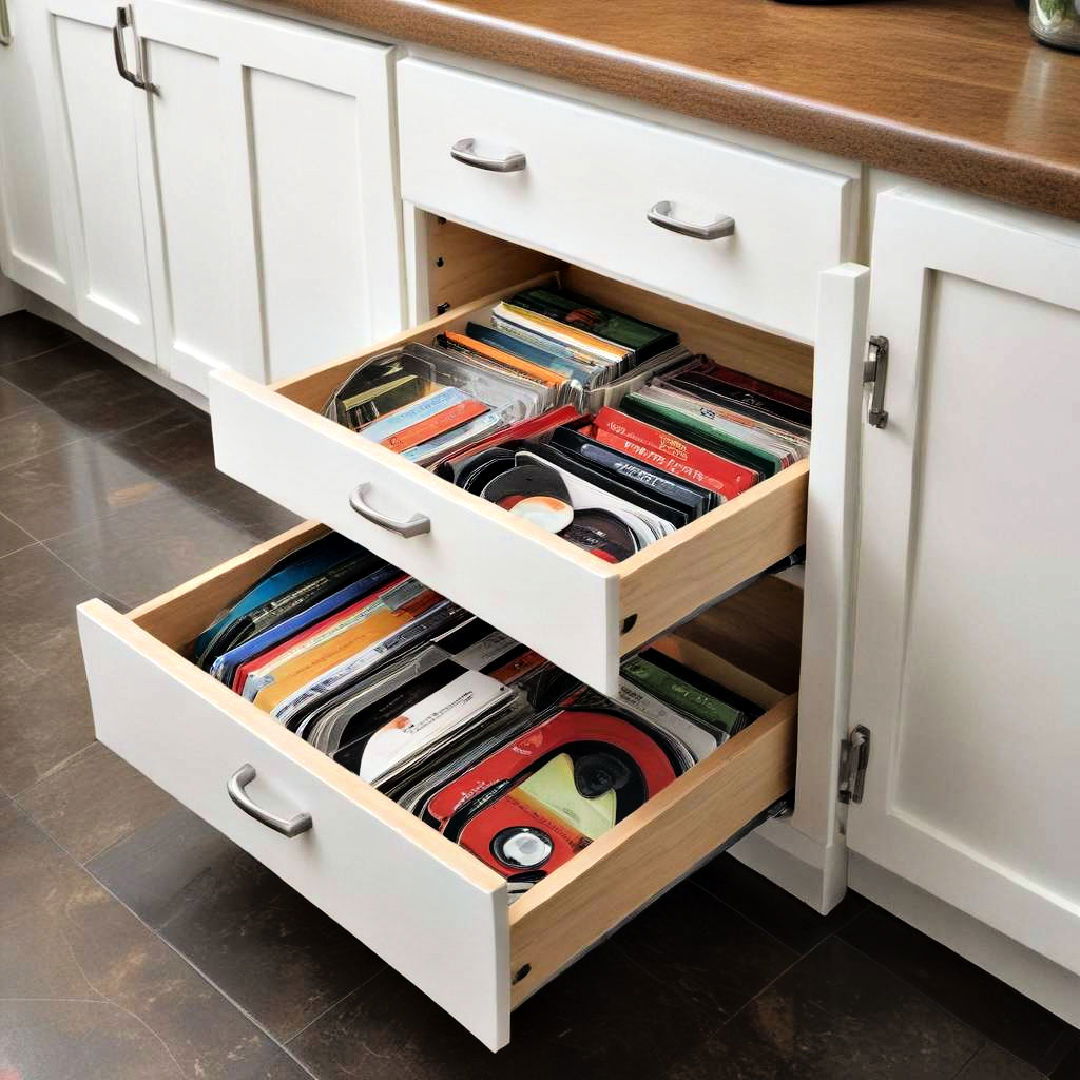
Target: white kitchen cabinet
pixel 968 596
pixel 33 251
pixel 271 218
pixel 98 180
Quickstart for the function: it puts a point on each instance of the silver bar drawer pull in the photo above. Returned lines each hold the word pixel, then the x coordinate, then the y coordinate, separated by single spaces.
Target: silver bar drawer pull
pixel 465 151
pixel 123 21
pixel 5 24
pixel 238 783
pixel 417 525
pixel 662 214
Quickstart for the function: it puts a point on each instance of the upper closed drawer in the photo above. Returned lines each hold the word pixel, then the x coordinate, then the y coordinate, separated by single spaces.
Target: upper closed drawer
pixel 611 192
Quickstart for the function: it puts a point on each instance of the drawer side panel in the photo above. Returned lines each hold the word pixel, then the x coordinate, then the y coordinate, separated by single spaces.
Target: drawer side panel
pixel 629 865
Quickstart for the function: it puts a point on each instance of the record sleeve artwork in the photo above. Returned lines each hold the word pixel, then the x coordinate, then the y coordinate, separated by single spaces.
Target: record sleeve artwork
pixel 473 732
pixel 593 425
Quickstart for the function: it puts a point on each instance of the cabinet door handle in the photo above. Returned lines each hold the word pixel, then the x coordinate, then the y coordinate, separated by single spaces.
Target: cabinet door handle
pixel 464 150
pixel 237 787
pixel 123 21
pixel 5 24
pixel 417 525
pixel 661 214
pixel 875 372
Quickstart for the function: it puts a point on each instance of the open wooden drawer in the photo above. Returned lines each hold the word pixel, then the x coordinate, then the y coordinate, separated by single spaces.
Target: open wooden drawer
pixel 426 906
pixel 575 609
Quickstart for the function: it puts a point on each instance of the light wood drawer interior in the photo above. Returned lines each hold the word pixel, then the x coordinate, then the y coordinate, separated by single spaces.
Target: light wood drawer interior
pixel 591 176
pixel 580 612
pixel 424 904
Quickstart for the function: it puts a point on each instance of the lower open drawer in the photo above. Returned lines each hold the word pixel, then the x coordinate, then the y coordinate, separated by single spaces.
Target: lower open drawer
pixel 426 906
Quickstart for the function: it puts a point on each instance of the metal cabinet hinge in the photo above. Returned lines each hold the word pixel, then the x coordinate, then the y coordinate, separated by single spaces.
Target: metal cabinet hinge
pixel 875 372
pixel 854 757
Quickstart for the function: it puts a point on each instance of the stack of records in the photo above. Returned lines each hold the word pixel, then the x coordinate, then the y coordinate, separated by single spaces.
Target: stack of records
pixel 587 422
pixel 475 733
pixel 544 349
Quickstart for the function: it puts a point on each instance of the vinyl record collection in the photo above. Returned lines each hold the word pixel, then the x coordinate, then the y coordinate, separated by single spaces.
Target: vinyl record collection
pixel 590 423
pixel 473 732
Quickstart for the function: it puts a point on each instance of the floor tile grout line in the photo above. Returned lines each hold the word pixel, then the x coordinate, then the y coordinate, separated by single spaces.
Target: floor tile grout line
pixel 16 657
pixel 15 551
pixel 974 1054
pixel 345 997
pixel 33 543
pixel 941 1005
pixel 764 929
pixel 33 457
pixel 51 771
pixel 34 356
pixel 168 944
pixel 17 526
pixel 1062 1045
pixel 82 577
pixel 41 453
pixel 772 982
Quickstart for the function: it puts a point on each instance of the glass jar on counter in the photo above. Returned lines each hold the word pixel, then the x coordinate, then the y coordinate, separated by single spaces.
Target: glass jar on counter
pixel 1056 22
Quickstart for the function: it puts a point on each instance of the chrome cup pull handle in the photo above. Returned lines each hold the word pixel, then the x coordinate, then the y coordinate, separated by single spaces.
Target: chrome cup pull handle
pixel 464 150
pixel 417 525
pixel 661 214
pixel 237 788
pixel 5 24
pixel 123 21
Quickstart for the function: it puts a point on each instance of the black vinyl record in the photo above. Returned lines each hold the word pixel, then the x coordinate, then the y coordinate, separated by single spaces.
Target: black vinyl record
pixel 602 533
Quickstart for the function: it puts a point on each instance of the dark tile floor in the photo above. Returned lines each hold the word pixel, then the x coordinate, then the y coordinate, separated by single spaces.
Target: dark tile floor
pixel 136 942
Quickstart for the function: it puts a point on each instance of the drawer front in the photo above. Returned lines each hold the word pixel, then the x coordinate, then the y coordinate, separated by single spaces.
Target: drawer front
pixel 590 178
pixel 535 587
pixel 425 906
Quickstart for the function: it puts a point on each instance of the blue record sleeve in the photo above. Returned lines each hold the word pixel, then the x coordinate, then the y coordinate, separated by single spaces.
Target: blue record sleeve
pixel 224 667
pixel 298 566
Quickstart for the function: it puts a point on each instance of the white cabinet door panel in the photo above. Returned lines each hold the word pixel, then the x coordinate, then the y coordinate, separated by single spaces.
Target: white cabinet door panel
pixel 190 227
pixel 276 214
pixel 313 266
pixel 968 597
pixel 102 197
pixel 33 251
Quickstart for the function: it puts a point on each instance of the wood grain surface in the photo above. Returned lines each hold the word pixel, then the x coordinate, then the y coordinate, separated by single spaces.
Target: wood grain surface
pixel 950 91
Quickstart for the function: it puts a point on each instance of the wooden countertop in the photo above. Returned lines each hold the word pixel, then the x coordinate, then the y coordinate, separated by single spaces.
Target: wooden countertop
pixel 951 91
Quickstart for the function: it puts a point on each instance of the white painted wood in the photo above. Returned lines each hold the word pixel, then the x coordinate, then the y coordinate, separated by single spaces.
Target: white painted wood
pixel 806 853
pixel 275 232
pixel 839 354
pixel 42 308
pixel 577 198
pixel 99 181
pixel 628 106
pixel 33 251
pixel 12 298
pixel 968 605
pixel 427 911
pixel 542 591
pixel 1045 982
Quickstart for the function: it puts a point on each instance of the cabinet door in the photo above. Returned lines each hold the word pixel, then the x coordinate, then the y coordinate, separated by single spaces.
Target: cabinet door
pixel 32 246
pixel 275 217
pixel 100 179
pixel 968 595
